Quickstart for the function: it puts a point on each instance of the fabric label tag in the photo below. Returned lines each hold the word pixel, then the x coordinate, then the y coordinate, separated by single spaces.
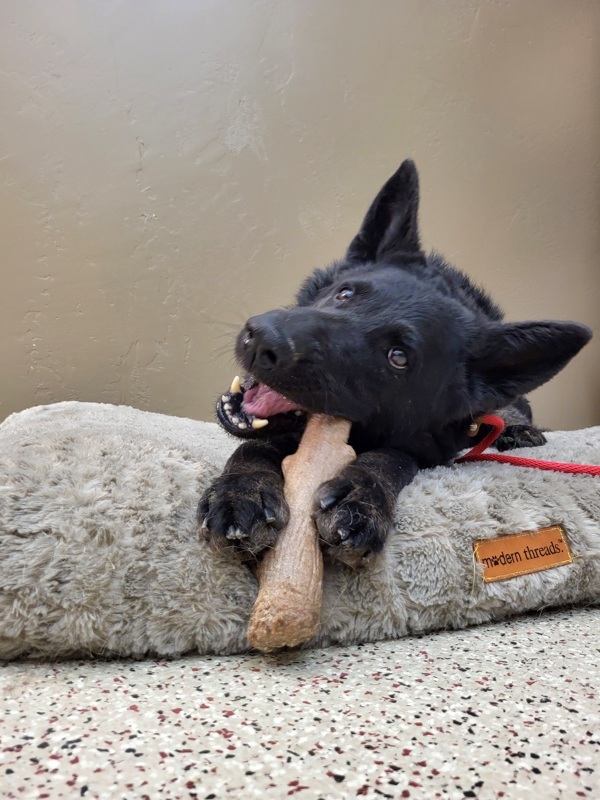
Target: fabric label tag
pixel 521 553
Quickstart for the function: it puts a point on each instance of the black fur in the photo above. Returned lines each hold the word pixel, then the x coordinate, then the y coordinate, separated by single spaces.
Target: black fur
pixel 403 345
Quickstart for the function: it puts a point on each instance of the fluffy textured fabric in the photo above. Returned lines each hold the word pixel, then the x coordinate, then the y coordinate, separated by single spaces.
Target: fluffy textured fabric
pixel 100 555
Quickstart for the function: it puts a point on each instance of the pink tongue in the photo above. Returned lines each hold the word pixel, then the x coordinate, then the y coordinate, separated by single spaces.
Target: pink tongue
pixel 260 401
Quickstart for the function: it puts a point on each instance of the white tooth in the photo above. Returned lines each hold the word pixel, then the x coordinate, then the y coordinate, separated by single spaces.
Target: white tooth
pixel 227 406
pixel 259 423
pixel 242 426
pixel 236 386
pixel 298 413
pixel 224 398
pixel 235 420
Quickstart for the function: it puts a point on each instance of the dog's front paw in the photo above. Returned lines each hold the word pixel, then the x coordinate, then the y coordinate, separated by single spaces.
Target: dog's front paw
pixel 353 516
pixel 243 511
pixel 514 436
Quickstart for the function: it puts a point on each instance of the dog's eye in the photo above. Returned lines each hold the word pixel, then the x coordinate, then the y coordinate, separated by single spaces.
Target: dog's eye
pixel 344 294
pixel 397 358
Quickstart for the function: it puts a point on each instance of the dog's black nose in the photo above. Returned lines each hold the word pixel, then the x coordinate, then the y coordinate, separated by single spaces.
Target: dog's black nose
pixel 263 345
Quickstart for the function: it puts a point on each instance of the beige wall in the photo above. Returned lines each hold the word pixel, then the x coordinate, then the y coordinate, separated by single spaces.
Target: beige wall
pixel 169 168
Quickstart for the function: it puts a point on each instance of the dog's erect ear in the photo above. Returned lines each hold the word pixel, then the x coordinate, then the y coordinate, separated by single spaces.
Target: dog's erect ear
pixel 517 358
pixel 391 224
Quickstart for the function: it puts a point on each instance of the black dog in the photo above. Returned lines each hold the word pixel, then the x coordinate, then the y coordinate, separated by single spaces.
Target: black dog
pixel 396 341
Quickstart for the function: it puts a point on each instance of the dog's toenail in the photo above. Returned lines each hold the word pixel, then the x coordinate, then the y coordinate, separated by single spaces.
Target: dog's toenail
pixel 235 533
pixel 327 501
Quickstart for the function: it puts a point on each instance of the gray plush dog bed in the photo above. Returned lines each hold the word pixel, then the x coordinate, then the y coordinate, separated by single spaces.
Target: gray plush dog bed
pixel 100 554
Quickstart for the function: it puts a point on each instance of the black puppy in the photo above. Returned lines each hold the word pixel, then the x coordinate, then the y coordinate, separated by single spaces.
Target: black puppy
pixel 396 341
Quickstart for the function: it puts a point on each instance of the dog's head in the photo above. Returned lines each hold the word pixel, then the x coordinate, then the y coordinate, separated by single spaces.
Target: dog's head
pixel 390 339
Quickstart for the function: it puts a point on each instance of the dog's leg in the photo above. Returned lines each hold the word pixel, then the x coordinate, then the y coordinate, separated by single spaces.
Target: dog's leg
pixel 245 507
pixel 354 512
pixel 520 430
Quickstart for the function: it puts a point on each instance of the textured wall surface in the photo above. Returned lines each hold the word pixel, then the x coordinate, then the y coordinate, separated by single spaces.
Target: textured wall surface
pixel 168 169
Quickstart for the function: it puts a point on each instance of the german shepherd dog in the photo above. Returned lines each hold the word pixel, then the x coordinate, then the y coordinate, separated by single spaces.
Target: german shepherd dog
pixel 404 346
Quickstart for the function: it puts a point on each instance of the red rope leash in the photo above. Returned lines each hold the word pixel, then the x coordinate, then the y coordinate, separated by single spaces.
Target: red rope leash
pixel 477 454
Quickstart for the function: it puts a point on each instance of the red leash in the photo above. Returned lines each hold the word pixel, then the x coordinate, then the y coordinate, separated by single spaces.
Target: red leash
pixel 477 454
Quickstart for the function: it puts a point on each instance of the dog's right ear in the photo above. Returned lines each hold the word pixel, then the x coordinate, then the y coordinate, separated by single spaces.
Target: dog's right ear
pixel 391 224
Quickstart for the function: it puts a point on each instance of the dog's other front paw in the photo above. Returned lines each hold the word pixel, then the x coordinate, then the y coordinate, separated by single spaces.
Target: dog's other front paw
pixel 243 511
pixel 514 436
pixel 353 517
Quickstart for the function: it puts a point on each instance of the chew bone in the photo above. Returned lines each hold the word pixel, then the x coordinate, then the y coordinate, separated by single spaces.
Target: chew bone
pixel 287 609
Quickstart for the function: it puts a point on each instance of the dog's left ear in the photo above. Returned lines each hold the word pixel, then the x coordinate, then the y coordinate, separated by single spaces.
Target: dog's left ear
pixel 391 224
pixel 517 358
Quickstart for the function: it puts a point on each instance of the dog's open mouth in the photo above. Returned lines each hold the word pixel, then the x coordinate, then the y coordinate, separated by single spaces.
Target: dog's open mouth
pixel 249 408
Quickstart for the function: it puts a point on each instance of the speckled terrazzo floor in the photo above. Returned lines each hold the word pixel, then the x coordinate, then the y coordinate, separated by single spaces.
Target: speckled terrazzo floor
pixel 507 710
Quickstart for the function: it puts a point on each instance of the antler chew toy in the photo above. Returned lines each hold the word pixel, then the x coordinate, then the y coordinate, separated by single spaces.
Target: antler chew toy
pixel 287 609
